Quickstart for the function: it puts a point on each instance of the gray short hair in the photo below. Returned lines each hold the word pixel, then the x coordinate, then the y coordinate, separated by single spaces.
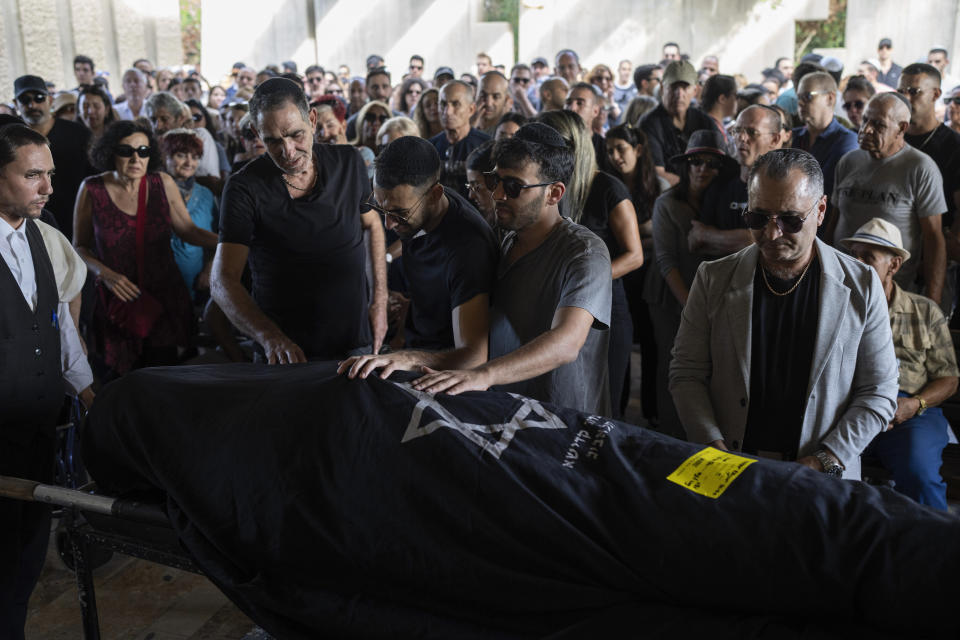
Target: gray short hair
pixel 166 101
pixel 276 93
pixel 779 163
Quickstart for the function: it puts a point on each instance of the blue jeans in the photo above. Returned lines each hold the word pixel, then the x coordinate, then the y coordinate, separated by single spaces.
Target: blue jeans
pixel 912 453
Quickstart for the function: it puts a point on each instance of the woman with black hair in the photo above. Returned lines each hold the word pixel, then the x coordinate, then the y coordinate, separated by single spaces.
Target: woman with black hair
pixel 122 223
pixel 94 110
pixel 668 284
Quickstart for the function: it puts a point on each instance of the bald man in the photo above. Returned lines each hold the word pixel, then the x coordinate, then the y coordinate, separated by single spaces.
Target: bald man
pixel 887 178
pixel 821 134
pixel 553 94
pixel 458 138
pixel 494 100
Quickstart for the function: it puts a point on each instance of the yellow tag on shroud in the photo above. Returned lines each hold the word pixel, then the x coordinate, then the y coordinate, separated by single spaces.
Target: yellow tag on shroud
pixel 710 471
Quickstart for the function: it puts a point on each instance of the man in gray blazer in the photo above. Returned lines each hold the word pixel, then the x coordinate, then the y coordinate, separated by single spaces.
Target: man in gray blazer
pixel 784 348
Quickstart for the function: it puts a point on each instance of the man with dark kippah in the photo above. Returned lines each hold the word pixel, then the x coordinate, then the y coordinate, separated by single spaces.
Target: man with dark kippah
pixel 550 319
pixel 449 264
pixel 299 213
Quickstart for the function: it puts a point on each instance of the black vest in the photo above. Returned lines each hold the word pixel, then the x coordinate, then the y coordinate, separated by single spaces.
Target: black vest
pixel 31 380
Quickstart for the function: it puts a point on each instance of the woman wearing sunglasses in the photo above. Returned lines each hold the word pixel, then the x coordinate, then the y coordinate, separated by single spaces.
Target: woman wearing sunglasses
pixel 668 285
pixel 602 203
pixel 122 224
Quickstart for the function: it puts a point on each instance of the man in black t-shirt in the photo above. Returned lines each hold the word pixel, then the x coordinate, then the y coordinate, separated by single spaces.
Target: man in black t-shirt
pixel 920 84
pixel 69 142
pixel 449 263
pixel 669 125
pixel 299 213
pixel 458 138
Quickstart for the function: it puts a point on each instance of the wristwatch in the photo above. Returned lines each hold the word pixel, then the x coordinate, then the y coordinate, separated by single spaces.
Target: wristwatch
pixel 923 404
pixel 830 467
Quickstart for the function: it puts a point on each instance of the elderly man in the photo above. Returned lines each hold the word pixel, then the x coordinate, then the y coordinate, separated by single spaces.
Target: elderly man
pixel 670 124
pixel 246 79
pixel 568 66
pixel 494 97
pixel 299 214
pixel 135 90
pixel 41 354
pixel 912 445
pixel 720 229
pixel 887 178
pixel 458 138
pixel 550 318
pixel 449 264
pixel 784 348
pixel 166 112
pixel 68 142
pixel 822 134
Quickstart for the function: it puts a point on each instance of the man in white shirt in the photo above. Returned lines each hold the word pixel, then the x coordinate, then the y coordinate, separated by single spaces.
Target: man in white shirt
pixel 41 358
pixel 135 90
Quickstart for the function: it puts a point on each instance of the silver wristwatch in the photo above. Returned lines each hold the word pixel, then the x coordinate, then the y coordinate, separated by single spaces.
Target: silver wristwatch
pixel 830 467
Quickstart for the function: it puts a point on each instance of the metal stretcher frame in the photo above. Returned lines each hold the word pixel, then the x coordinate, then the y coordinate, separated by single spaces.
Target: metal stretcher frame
pixel 95 522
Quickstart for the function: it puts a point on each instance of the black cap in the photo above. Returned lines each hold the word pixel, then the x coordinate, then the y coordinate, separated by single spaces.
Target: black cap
pixel 29 83
pixel 706 141
pixel 886 42
pixel 541 134
pixel 441 71
pixel 408 155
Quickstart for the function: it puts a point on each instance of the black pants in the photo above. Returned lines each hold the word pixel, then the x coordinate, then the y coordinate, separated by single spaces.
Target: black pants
pixel 618 354
pixel 24 530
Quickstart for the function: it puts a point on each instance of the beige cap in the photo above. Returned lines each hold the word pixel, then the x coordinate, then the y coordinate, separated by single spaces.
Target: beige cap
pixel 881 233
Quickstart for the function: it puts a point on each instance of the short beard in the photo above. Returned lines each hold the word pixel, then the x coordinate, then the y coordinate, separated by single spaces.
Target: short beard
pixel 529 214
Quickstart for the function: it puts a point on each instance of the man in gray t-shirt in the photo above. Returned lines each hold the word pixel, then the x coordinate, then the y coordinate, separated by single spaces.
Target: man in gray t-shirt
pixel 550 314
pixel 887 178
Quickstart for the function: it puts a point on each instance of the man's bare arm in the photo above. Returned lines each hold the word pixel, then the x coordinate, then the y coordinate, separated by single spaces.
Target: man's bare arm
pixel 712 241
pixel 230 294
pixel 378 266
pixel 557 346
pixel 934 256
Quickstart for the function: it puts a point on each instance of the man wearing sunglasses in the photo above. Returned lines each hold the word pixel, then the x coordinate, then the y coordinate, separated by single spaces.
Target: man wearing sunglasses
pixel 449 264
pixel 415 69
pixel 524 89
pixel 299 214
pixel 822 134
pixel 69 142
pixel 549 323
pixel 784 349
pixel 887 178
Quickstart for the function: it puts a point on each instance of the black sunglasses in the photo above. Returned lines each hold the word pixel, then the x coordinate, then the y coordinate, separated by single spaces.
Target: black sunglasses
pixel 371 117
pixel 521 80
pixel 31 97
pixel 126 151
pixel 912 91
pixel 951 100
pixel 712 163
pixel 314 79
pixel 512 187
pixel 786 223
pixel 854 103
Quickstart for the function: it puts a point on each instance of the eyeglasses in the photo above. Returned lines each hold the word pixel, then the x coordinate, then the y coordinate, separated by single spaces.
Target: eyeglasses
pixel 126 151
pixel 807 96
pixel 512 188
pixel 858 104
pixel 401 215
pixel 911 91
pixel 750 132
pixel 31 97
pixel 791 223
pixel 520 80
pixel 712 163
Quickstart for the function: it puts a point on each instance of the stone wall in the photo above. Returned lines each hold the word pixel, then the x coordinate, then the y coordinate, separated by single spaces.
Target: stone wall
pixel 41 37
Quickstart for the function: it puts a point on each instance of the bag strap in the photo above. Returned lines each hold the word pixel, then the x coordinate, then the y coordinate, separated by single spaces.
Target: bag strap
pixel 141 227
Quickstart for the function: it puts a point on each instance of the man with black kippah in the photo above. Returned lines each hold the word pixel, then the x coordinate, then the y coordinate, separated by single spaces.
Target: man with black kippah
pixel 449 264
pixel 299 213
pixel 550 319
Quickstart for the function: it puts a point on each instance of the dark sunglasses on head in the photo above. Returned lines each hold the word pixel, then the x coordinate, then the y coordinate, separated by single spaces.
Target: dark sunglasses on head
pixel 126 151
pixel 853 103
pixel 712 163
pixel 786 224
pixel 512 187
pixel 31 97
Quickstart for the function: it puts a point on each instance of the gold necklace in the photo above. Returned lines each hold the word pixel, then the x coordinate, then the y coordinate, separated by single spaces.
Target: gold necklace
pixel 791 289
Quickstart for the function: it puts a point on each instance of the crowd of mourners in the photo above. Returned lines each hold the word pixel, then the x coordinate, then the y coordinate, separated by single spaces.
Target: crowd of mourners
pixel 514 229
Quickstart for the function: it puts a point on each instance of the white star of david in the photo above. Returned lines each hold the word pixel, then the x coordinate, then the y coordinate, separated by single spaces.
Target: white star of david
pixel 475 432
